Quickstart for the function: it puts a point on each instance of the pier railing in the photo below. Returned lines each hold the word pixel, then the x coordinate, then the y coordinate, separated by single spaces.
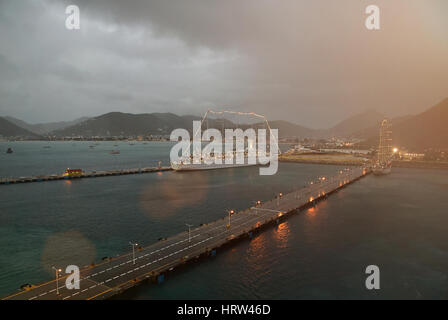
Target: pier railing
pixel 91 174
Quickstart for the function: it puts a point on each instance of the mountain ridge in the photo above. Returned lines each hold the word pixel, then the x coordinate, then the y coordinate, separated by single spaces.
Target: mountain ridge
pixel 427 129
pixel 44 128
pixel 9 129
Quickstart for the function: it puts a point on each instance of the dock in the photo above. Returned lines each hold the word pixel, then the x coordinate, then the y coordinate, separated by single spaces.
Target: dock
pixel 91 174
pixel 152 263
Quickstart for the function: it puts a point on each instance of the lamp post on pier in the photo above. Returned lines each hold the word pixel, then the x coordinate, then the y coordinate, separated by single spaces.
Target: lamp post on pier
pixel 278 198
pixel 189 231
pixel 231 212
pixel 133 251
pixel 257 204
pixel 57 271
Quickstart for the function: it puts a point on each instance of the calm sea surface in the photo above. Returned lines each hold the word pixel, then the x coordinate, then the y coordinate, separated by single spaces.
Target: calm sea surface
pixel 398 222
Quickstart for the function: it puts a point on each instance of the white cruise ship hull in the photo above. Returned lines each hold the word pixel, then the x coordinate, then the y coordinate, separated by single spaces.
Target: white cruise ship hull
pixel 381 171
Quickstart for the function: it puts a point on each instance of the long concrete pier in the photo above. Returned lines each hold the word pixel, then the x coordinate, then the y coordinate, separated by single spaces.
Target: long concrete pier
pixel 152 262
pixel 91 174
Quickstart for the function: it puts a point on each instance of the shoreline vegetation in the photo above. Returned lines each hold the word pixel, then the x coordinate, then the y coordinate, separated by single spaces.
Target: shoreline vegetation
pixel 351 160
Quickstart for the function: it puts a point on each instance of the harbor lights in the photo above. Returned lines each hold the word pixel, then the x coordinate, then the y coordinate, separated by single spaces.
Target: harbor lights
pixel 57 271
pixel 133 251
pixel 189 231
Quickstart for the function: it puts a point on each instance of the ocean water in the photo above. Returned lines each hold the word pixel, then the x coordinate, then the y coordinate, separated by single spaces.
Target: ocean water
pixel 397 222
pixel 33 158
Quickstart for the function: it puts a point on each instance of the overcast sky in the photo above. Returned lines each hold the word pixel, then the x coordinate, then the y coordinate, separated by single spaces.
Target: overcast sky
pixel 311 62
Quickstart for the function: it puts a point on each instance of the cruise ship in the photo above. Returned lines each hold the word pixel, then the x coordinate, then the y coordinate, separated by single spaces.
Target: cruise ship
pixel 187 163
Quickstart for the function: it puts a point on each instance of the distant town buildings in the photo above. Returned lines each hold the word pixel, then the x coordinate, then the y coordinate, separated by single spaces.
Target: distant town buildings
pixel 110 138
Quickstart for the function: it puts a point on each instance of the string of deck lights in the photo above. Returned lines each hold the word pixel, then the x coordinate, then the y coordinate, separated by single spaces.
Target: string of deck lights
pixel 241 114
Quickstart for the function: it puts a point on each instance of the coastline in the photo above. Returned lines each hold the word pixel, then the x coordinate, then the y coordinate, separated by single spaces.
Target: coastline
pixel 316 159
pixel 328 159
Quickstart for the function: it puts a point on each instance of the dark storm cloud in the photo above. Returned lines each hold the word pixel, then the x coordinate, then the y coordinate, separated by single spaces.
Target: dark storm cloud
pixel 312 62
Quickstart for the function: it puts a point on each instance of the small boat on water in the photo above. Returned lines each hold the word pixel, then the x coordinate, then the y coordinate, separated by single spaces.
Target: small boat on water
pixel 114 152
pixel 9 150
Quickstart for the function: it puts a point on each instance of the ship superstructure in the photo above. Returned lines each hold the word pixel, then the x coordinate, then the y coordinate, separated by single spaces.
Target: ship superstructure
pixel 227 159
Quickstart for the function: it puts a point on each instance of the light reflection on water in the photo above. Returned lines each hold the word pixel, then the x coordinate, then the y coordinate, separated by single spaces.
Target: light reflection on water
pixel 281 234
pixel 172 193
pixel 311 212
pixel 256 250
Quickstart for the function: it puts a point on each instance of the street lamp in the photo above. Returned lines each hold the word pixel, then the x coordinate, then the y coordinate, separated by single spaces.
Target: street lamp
pixel 230 214
pixel 257 204
pixel 278 198
pixel 133 251
pixel 189 231
pixel 57 271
